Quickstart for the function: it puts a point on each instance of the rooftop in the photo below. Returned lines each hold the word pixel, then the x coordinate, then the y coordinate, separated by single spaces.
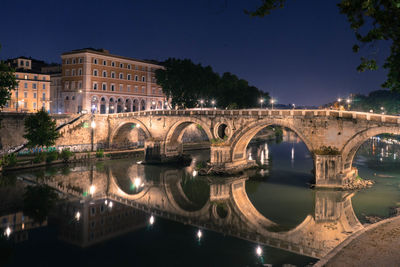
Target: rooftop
pixel 104 52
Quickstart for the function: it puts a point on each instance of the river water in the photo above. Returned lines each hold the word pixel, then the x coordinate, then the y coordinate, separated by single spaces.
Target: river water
pixel 121 213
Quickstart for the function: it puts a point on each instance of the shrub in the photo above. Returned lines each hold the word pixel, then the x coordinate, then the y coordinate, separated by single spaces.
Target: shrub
pixel 66 154
pixel 100 153
pixel 201 165
pixel 9 160
pixel 40 157
pixel 327 150
pixel 51 156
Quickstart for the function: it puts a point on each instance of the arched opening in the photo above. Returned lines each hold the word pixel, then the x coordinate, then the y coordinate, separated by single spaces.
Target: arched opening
pixel 142 105
pixel 111 106
pixel 282 183
pixel 103 106
pixel 94 104
pixel 375 154
pixel 120 105
pixel 128 105
pixel 135 105
pixel 130 178
pixel 129 136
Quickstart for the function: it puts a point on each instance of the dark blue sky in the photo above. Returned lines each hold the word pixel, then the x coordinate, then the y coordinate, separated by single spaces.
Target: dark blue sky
pixel 300 54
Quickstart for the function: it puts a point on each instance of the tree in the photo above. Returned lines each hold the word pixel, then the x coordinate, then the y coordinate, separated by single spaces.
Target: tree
pixel 186 83
pixel 372 21
pixel 40 130
pixel 39 200
pixel 8 83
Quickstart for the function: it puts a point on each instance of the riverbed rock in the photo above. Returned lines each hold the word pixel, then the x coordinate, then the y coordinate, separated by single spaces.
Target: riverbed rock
pixel 357 183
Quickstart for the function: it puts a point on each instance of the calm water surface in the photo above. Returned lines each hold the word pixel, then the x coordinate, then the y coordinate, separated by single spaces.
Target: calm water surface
pixel 234 214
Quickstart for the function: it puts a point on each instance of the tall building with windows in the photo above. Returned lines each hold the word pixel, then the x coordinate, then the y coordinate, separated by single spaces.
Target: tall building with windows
pixel 93 80
pixel 33 89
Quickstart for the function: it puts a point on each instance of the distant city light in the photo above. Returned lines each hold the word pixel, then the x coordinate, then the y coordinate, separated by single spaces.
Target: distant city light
pixel 7 232
pixel 259 251
pixel 77 215
pixel 339 100
pixel 199 234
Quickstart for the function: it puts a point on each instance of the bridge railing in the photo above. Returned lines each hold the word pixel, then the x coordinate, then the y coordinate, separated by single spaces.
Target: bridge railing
pixel 263 112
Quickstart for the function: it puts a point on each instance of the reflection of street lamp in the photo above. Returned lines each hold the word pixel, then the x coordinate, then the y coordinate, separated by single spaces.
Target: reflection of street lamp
pixel 92 189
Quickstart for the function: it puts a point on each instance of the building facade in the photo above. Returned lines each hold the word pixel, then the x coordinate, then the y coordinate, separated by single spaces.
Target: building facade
pixel 93 80
pixel 33 90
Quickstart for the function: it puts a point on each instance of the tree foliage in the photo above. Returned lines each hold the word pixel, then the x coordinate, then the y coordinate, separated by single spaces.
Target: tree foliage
pixel 40 130
pixel 186 83
pixel 372 21
pixel 8 83
pixel 378 101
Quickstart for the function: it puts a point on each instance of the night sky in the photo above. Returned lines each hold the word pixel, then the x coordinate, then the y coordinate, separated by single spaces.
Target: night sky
pixel 300 54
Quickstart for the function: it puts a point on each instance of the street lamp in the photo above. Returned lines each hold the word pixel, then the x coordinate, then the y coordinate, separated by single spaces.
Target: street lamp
pixel 348 101
pixel 272 103
pixel 201 103
pixel 213 103
pixel 294 106
pixel 383 110
pixel 153 103
pixel 261 102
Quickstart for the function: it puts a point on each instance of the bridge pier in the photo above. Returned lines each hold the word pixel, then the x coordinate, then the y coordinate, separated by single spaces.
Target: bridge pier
pixel 221 160
pixel 158 151
pixel 329 171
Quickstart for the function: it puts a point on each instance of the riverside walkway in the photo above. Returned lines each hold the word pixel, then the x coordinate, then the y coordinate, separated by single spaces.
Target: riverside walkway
pixel 376 245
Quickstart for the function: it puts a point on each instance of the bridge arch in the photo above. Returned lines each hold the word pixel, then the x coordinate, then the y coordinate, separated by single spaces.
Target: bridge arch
pixel 242 138
pixel 122 130
pixel 175 133
pixel 351 147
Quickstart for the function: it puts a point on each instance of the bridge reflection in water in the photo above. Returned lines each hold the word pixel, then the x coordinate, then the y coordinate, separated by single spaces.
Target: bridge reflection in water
pixel 212 203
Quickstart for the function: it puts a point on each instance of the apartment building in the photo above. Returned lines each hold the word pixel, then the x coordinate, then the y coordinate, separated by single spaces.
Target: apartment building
pixel 93 80
pixel 33 90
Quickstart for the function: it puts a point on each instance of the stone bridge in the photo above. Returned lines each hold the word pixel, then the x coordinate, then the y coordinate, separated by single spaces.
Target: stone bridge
pixel 230 131
pixel 225 208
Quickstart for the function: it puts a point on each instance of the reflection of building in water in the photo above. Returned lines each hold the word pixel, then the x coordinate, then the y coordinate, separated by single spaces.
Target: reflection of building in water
pixel 98 220
pixel 18 225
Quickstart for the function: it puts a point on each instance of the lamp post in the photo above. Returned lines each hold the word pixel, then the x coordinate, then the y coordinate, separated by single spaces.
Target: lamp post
pixel 213 103
pixel 383 110
pixel 272 103
pixel 294 106
pixel 153 103
pixel 201 103
pixel 261 102
pixel 92 126
pixel 348 101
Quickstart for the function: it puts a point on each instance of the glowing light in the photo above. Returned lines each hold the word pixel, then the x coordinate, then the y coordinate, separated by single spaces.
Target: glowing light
pixel 110 205
pixel 139 162
pixel 7 232
pixel 93 124
pixel 92 189
pixel 339 99
pixel 292 153
pixel 77 215
pixel 194 174
pixel 137 182
pixel 23 226
pixel 199 234
pixel 262 157
pixel 261 100
pixel 151 220
pixel 250 157
pixel 259 251
pixel 138 125
pixel 106 202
